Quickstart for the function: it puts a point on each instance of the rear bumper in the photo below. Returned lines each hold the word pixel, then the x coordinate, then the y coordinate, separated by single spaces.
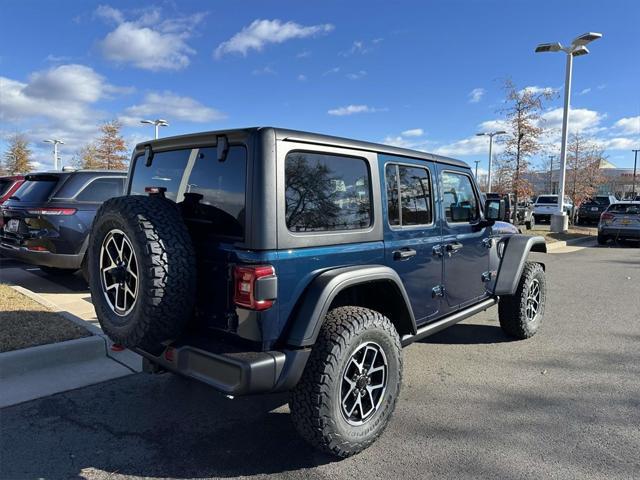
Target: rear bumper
pixel 590 216
pixel 46 259
pixel 620 232
pixel 232 372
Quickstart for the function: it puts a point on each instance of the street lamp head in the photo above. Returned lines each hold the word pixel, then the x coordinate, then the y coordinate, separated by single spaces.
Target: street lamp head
pixel 579 51
pixel 549 47
pixel 162 123
pixel 54 141
pixel 586 38
pixel 480 134
pixel 147 121
pixel 500 132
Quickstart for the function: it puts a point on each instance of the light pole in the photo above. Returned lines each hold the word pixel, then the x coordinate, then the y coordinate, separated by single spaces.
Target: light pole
pixel 490 135
pixel 55 142
pixel 551 157
pixel 477 162
pixel 578 47
pixel 158 122
pixel 635 164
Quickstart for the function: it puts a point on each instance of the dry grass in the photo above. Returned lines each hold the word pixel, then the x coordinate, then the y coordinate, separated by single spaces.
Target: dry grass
pixel 572 233
pixel 25 323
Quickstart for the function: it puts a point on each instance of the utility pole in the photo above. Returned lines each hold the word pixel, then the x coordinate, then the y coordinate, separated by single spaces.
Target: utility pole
pixel 490 135
pixel 551 157
pixel 55 142
pixel 477 162
pixel 635 164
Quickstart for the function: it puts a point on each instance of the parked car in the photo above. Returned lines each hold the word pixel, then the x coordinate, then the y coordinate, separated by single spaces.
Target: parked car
pixel 620 221
pixel 264 260
pixel 591 209
pixel 525 209
pixel 48 218
pixel 546 205
pixel 8 185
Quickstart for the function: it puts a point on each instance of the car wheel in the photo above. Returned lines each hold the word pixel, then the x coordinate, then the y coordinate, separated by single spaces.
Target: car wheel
pixel 142 272
pixel 521 314
pixel 531 223
pixel 58 272
pixel 602 239
pixel 351 382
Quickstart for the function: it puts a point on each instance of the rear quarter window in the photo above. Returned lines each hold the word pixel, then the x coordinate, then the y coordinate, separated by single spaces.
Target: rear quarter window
pixel 101 189
pixel 5 185
pixel 36 190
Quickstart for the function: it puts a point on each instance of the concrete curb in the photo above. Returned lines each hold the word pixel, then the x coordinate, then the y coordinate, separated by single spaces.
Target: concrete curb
pixel 568 243
pixel 26 360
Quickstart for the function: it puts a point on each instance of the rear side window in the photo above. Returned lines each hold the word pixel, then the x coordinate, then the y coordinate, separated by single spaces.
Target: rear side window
pixel 408 195
pixel 325 192
pixel 36 189
pixel 459 200
pixel 101 189
pixel 5 185
pixel 626 208
pixel 211 193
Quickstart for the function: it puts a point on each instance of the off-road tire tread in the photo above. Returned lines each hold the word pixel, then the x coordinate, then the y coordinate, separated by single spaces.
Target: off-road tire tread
pixel 512 308
pixel 169 264
pixel 311 396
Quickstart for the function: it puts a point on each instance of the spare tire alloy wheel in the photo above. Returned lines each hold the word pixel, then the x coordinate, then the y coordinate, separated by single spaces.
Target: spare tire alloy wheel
pixel 363 383
pixel 119 272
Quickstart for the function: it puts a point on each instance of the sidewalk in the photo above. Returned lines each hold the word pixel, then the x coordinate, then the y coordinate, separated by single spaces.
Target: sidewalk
pixel 48 369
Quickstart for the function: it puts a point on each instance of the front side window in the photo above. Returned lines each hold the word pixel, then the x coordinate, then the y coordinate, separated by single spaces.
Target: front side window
pixel 210 192
pixel 101 189
pixel 459 199
pixel 325 192
pixel 408 195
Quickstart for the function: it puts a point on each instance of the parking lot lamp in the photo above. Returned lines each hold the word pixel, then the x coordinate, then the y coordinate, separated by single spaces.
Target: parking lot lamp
pixel 635 164
pixel 158 122
pixel 578 47
pixel 55 142
pixel 490 135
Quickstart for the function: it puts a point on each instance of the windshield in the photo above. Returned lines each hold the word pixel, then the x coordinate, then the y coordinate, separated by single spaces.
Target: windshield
pixel 547 199
pixel 626 208
pixel 35 190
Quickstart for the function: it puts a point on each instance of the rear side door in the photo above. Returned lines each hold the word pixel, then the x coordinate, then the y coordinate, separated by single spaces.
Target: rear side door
pixel 411 231
pixel 465 246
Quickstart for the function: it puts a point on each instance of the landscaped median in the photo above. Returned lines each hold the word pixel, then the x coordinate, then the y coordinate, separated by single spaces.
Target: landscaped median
pixel 43 352
pixel 574 235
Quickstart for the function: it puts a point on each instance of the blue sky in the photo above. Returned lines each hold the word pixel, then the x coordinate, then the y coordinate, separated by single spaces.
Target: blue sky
pixel 421 74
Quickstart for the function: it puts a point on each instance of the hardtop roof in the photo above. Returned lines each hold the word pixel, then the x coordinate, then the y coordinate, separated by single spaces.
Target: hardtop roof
pixel 302 137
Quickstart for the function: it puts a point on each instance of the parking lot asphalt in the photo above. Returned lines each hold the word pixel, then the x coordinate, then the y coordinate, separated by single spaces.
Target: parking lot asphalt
pixel 474 404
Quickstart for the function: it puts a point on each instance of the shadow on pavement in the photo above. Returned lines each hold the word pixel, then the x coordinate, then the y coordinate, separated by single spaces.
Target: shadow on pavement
pixel 156 426
pixel 469 334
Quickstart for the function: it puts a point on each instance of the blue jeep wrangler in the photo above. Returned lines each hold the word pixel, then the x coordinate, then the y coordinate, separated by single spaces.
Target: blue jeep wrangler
pixel 265 260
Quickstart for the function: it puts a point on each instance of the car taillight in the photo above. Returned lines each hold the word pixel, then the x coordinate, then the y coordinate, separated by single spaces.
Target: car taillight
pixel 52 211
pixel 606 216
pixel 246 282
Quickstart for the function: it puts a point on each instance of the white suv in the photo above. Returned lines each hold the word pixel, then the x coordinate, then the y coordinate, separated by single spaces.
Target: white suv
pixel 547 205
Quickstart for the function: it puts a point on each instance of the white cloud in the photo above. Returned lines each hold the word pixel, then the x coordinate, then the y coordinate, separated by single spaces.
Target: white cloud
pixel 302 77
pixel 630 125
pixel 173 107
pixel 535 89
pixel 149 42
pixel 493 126
pixel 357 75
pixel 360 47
pixel 476 95
pixel 580 119
pixel 584 91
pixel 413 132
pixel 468 146
pixel 620 143
pixel 263 71
pixel 331 71
pixel 353 109
pixel 262 32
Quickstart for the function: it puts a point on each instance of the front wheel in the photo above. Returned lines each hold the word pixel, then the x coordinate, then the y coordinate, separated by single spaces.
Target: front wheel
pixel 351 383
pixel 521 314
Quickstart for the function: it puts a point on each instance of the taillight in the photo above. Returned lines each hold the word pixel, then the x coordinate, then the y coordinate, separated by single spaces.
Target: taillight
pixel 248 281
pixel 606 216
pixel 52 211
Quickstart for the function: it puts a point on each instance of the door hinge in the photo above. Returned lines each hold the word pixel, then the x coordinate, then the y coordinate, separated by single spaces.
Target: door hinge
pixel 437 291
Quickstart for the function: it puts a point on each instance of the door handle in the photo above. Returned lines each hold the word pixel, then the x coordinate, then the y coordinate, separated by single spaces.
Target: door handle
pixel 404 254
pixel 454 247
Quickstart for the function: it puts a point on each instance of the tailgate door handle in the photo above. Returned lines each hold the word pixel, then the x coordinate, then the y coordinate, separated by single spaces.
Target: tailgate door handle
pixel 404 254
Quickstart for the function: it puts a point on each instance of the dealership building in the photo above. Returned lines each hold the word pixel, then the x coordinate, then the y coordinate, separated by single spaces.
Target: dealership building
pixel 617 181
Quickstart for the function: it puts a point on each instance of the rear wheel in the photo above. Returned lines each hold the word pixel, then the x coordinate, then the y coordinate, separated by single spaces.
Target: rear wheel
pixel 531 223
pixel 602 239
pixel 521 314
pixel 351 382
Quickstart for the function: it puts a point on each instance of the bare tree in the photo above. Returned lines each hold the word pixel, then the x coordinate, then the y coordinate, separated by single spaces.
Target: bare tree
pixel 110 150
pixel 87 157
pixel 523 112
pixel 17 158
pixel 584 157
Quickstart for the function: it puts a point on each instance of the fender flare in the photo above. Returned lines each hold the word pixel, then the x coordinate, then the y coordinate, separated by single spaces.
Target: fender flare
pixel 307 320
pixel 516 250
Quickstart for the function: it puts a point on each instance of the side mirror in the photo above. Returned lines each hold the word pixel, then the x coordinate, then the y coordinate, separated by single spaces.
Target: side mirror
pixel 494 209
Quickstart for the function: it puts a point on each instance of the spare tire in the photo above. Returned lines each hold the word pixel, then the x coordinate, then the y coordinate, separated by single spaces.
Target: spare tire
pixel 142 270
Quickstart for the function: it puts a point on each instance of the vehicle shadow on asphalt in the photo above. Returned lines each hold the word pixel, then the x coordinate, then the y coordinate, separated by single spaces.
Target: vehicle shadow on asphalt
pixel 152 426
pixel 469 334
